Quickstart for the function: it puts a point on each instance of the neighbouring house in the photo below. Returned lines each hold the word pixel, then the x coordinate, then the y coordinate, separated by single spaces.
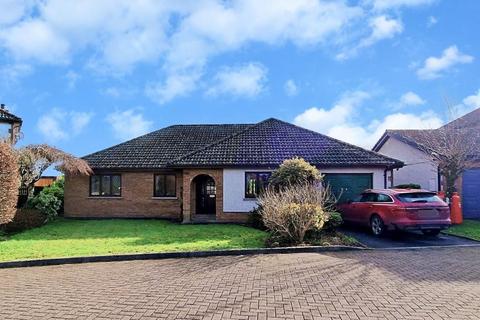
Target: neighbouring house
pixel 213 172
pixel 10 126
pixel 421 169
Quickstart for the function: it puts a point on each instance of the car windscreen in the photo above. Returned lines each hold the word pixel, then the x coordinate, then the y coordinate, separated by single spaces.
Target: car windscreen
pixel 418 197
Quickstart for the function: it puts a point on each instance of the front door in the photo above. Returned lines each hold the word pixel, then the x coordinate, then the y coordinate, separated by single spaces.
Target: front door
pixel 205 195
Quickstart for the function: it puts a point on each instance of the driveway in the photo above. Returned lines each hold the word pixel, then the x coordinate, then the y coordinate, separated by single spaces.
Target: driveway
pixel 404 239
pixel 409 284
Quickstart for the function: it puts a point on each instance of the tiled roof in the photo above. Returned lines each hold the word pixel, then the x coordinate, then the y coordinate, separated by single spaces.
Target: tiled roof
pixel 6 116
pixel 270 142
pixel 155 149
pixel 468 124
pixel 265 144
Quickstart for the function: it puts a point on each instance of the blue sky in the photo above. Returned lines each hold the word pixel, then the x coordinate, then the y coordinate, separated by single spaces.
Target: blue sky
pixel 88 75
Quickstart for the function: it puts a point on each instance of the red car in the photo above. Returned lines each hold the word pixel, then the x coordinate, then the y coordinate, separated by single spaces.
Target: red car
pixel 398 209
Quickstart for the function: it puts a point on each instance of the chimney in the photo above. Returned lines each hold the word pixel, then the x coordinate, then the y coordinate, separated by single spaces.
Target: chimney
pixel 2 106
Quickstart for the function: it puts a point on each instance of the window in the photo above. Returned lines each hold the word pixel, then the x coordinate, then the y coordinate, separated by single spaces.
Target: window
pixel 384 198
pixel 106 185
pixel 368 197
pixel 165 185
pixel 256 183
pixel 418 197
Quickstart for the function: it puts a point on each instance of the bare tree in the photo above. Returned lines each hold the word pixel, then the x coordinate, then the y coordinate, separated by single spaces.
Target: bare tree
pixel 35 159
pixel 9 183
pixel 454 147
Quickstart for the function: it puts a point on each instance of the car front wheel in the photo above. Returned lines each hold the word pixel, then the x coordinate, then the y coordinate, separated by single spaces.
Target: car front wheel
pixel 431 232
pixel 377 226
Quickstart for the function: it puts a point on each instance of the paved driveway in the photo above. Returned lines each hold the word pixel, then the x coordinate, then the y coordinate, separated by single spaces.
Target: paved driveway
pixel 424 284
pixel 404 239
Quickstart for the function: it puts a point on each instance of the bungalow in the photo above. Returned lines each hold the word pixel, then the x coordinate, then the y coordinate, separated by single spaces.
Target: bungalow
pixel 421 169
pixel 212 172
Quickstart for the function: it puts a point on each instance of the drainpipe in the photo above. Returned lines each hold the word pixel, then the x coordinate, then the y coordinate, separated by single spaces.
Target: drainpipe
pixel 385 179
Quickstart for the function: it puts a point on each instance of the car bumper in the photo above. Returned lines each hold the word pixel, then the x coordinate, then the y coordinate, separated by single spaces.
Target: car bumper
pixel 424 225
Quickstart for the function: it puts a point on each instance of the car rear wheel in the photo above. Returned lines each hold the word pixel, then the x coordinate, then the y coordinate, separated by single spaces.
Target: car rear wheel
pixel 431 232
pixel 377 226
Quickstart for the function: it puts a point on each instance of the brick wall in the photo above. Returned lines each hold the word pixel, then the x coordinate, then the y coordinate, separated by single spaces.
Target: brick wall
pixel 189 196
pixel 136 200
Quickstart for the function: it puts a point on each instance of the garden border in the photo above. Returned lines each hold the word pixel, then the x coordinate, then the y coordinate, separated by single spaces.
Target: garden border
pixel 212 253
pixel 171 255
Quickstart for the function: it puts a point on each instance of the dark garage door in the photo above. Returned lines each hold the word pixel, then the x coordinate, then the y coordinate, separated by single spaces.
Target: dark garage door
pixel 346 186
pixel 471 193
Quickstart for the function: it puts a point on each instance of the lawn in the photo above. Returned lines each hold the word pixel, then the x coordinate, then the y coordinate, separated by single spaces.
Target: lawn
pixel 69 238
pixel 469 228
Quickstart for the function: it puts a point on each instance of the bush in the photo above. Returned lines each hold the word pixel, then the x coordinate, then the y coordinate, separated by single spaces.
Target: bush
pixel 294 171
pixel 408 186
pixel 46 203
pixel 295 209
pixel 25 219
pixel 255 219
pixel 9 183
pixel 334 221
pixel 50 200
pixel 57 189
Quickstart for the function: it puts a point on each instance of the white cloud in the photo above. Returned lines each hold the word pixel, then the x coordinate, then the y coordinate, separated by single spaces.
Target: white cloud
pixel 320 119
pixel 434 67
pixel 174 86
pixel 382 28
pixel 341 121
pixel 11 74
pixel 176 36
pixel 389 4
pixel 246 80
pixel 58 124
pixel 35 40
pixel 14 10
pixel 72 78
pixel 290 88
pixel 79 120
pixel 411 99
pixel 128 124
pixel 468 104
pixel 432 21
pixel 473 101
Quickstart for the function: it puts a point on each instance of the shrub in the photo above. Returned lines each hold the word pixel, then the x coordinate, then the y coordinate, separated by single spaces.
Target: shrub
pixel 46 203
pixel 334 221
pixel 294 171
pixel 9 183
pixel 408 186
pixel 57 190
pixel 295 209
pixel 25 219
pixel 255 219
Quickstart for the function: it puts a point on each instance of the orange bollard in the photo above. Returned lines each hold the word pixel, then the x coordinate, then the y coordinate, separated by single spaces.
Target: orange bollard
pixel 441 194
pixel 456 209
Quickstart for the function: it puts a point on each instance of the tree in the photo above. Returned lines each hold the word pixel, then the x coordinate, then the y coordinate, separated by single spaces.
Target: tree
pixel 35 159
pixel 454 147
pixel 9 183
pixel 294 171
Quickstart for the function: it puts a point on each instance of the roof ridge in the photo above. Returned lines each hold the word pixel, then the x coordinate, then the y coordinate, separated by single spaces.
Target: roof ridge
pixel 340 141
pixel 235 134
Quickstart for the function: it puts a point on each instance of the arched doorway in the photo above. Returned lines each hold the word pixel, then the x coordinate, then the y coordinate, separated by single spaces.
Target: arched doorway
pixel 204 195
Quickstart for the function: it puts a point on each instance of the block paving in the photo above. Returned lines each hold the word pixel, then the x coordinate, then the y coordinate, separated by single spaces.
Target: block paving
pixel 439 283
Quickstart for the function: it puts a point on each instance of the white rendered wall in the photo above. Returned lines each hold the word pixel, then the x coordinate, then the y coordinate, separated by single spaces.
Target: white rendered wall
pixel 419 168
pixel 234 185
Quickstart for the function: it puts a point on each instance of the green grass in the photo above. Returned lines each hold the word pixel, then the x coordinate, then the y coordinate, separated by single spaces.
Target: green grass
pixel 469 228
pixel 70 238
